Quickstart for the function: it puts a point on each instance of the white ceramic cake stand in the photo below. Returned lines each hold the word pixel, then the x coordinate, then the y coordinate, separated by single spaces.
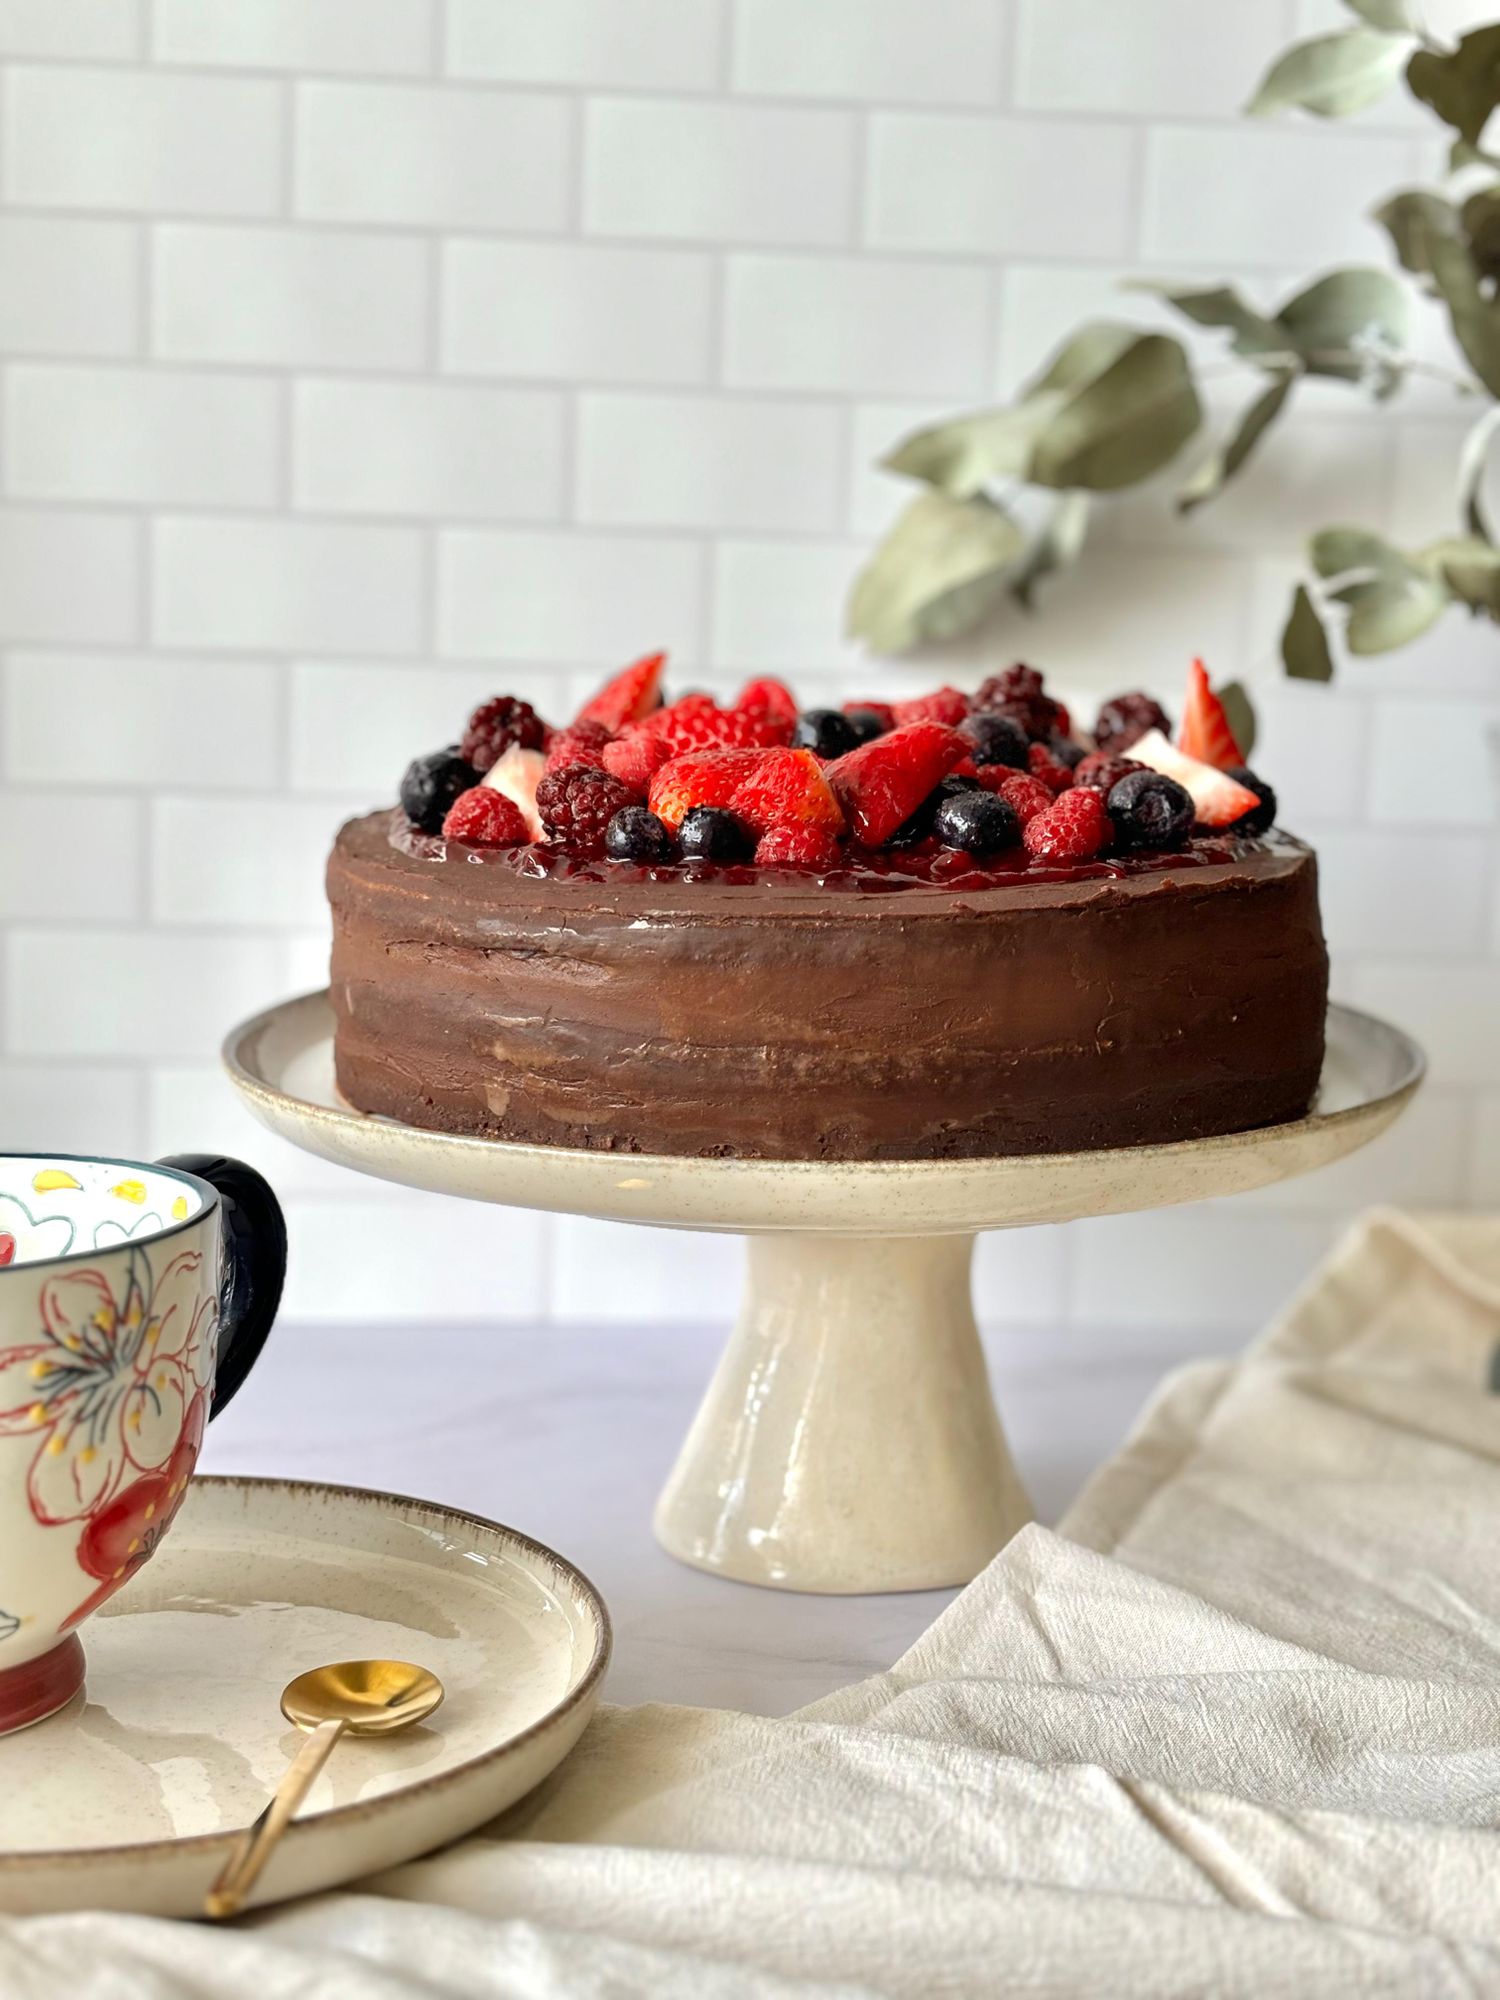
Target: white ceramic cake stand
pixel 848 1440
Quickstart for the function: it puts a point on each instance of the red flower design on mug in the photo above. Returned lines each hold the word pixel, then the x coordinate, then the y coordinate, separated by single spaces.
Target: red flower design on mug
pixel 125 1531
pixel 108 1390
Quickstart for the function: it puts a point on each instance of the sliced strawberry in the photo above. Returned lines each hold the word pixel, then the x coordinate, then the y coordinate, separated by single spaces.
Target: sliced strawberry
pixel 773 701
pixel 636 758
pixel 786 788
pixel 1218 799
pixel 517 773
pixel 946 704
pixel 629 696
pixel 882 783
pixel 881 708
pixel 1204 732
pixel 701 778
pixel 697 723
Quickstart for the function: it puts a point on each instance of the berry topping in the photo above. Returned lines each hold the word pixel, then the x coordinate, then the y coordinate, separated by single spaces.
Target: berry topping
pixel 484 817
pixel 1017 692
pixel 629 697
pixel 786 788
pixel 1066 751
pixel 980 822
pixel 804 846
pixel 634 834
pixel 430 786
pixel 996 739
pixel 945 705
pixel 882 783
pixel 1026 796
pixel 1054 774
pixel 1263 818
pixel 635 759
pixel 579 743
pixel 773 702
pixel 702 778
pixel 517 775
pixel 870 718
pixel 1204 732
pixel 576 806
pixel 1074 828
pixel 1125 720
pixel 708 833
pixel 1218 799
pixel 497 724
pixel 698 723
pixel 827 732
pixel 919 825
pixel 1149 810
pixel 1101 773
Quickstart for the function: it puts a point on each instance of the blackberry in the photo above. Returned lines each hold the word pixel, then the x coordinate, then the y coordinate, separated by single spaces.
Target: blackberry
pixel 431 784
pixel 997 739
pixel 495 725
pixel 825 732
pixel 1263 818
pixel 979 822
pixel 1149 810
pixel 576 805
pixel 708 833
pixel 1127 718
pixel 1101 773
pixel 636 834
pixel 1017 693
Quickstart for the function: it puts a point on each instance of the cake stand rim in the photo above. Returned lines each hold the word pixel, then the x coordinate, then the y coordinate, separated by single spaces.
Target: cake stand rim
pixel 284 1112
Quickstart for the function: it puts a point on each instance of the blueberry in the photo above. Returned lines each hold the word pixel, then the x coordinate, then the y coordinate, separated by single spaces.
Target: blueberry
pixel 910 831
pixel 1263 817
pixel 825 731
pixel 976 821
pixel 636 834
pixel 708 833
pixel 997 739
pixel 1066 751
pixel 1149 810
pixel 867 724
pixel 431 784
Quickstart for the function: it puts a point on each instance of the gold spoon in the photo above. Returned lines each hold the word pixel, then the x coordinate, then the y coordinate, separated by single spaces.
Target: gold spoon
pixel 366 1697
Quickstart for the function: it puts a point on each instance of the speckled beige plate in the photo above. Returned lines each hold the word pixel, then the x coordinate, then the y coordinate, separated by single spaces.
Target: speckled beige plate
pixel 130 1797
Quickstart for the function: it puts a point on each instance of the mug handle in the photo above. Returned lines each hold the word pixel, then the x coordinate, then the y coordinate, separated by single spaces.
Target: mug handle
pixel 254 1237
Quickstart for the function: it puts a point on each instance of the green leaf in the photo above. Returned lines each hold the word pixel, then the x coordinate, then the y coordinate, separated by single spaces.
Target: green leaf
pixel 1413 220
pixel 1476 319
pixel 1094 348
pixel 1304 643
pixel 1226 459
pixel 1471 469
pixel 1471 570
pixel 1332 75
pixel 1240 713
pixel 1480 220
pixel 1461 85
pixel 1340 324
pixel 961 457
pixel 1390 612
pixel 1340 551
pixel 936 574
pixel 1219 306
pixel 1054 548
pixel 1394 16
pixel 1125 424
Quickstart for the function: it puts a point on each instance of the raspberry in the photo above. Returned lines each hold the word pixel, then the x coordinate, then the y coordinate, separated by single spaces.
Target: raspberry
pixel 1126 719
pixel 1074 828
pixel 1053 773
pixel 635 759
pixel 576 806
pixel 485 818
pixel 497 724
pixel 1026 796
pixel 803 846
pixel 1101 773
pixel 946 705
pixel 579 743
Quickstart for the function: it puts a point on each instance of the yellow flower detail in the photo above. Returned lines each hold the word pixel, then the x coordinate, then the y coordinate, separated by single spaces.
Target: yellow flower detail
pixel 38 1413
pixel 49 1179
pixel 130 1191
pixel 55 1445
pixel 39 1368
pixel 179 1209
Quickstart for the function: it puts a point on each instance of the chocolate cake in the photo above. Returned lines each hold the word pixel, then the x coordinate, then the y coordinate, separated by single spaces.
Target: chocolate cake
pixel 871 964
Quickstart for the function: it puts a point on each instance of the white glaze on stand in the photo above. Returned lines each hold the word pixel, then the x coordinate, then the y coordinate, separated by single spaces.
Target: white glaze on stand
pixel 842 1470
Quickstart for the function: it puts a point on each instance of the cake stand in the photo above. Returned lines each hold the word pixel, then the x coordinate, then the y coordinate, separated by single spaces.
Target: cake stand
pixel 848 1440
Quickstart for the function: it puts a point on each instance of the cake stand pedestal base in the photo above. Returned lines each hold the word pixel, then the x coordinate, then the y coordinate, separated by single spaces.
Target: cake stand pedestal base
pixel 848 1440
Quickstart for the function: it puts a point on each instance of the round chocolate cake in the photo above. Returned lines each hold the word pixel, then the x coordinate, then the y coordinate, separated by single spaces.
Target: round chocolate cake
pixel 829 953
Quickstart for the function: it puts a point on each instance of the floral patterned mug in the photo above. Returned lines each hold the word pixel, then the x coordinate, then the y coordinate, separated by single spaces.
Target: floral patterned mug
pixel 134 1300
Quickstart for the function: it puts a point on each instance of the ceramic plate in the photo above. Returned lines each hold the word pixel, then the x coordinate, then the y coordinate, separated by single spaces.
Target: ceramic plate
pixel 282 1064
pixel 130 1797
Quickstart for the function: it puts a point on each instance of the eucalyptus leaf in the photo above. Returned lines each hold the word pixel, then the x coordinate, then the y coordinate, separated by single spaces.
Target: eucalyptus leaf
pixel 1389 612
pixel 1304 644
pixel 1341 324
pixel 1239 711
pixel 1413 220
pixel 1471 570
pixel 1394 16
pixel 1339 551
pixel 1094 348
pixel 1226 459
pixel 1480 221
pixel 1057 545
pixel 1471 469
pixel 1332 76
pixel 1219 306
pixel 1125 424
pixel 1461 85
pixel 936 574
pixel 961 457
pixel 1476 319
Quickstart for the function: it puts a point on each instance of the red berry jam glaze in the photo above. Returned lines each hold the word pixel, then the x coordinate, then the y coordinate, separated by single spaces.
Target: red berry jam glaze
pixel 864 872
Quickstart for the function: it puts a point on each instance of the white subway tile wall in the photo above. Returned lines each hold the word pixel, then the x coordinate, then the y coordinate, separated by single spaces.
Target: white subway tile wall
pixel 361 358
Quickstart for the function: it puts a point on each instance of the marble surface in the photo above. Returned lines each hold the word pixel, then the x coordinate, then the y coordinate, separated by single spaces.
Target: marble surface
pixel 567 1434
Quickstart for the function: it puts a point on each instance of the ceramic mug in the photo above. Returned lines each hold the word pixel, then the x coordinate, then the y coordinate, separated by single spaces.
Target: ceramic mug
pixel 134 1300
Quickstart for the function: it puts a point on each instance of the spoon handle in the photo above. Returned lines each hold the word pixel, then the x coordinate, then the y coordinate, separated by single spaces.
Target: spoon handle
pixel 252 1850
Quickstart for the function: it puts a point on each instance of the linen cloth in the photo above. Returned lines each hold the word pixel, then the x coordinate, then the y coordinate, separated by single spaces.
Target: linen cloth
pixel 1233 1729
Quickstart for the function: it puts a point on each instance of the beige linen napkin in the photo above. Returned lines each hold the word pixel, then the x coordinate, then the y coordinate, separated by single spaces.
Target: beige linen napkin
pixel 1234 1729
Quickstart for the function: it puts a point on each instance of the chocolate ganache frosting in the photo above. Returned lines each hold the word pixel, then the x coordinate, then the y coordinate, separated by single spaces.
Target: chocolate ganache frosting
pixel 905 1009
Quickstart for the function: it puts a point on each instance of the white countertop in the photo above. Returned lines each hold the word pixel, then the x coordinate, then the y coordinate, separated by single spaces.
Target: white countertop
pixel 567 1434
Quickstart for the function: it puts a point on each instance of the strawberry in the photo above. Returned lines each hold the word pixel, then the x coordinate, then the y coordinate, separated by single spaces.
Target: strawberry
pixel 635 758
pixel 697 723
pixel 1218 799
pixel 882 783
pixel 773 702
pixel 786 788
pixel 1204 731
pixel 628 697
pixel 882 709
pixel 803 846
pixel 701 778
pixel 516 774
pixel 946 705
